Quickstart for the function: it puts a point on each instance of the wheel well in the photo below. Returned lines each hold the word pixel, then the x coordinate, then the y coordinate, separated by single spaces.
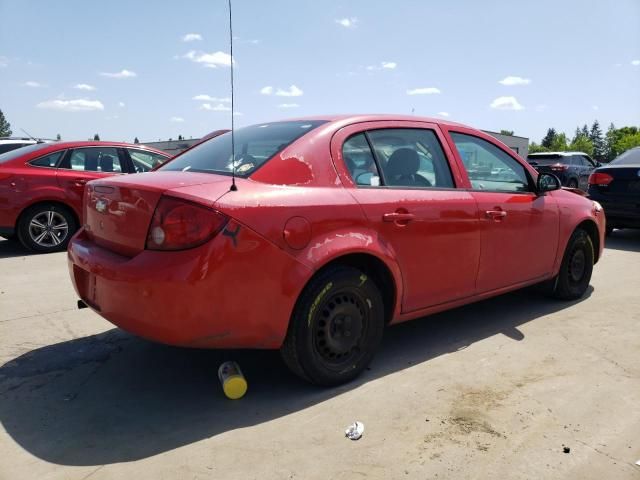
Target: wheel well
pixel 48 202
pixel 377 271
pixel 592 230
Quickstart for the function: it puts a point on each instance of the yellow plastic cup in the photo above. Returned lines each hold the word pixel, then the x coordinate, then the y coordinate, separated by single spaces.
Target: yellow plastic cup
pixel 234 385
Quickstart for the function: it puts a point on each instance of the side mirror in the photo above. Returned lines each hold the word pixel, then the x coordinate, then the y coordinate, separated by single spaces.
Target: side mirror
pixel 547 182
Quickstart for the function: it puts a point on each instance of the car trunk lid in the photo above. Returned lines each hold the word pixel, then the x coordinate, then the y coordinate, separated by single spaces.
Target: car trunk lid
pixel 625 183
pixel 118 211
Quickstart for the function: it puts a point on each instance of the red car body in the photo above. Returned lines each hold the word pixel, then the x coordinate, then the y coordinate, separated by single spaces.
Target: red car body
pixel 24 185
pixel 429 249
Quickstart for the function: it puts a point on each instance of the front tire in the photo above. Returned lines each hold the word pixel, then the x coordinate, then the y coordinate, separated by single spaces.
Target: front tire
pixel 577 265
pixel 46 228
pixel 336 327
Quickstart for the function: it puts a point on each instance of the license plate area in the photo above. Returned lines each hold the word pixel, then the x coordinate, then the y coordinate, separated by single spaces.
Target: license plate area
pixel 86 284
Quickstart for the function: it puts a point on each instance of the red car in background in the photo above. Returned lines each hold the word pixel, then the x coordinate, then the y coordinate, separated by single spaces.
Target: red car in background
pixel 42 186
pixel 338 227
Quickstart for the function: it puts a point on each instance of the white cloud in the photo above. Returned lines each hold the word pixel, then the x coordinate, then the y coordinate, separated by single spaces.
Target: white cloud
pixel 443 114
pixel 33 84
pixel 595 108
pixel 347 22
pixel 208 98
pixel 191 37
pixel 617 65
pixel 120 74
pixel 510 81
pixel 541 108
pixel 79 105
pixel 635 63
pixel 121 104
pixel 268 90
pixel 293 91
pixel 237 114
pixel 176 119
pixel 84 86
pixel 4 61
pixel 288 105
pixel 210 60
pixel 218 108
pixel 506 103
pixel 424 91
pixel 389 65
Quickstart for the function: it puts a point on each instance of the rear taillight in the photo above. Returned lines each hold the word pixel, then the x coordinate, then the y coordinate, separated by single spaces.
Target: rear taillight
pixel 179 224
pixel 558 167
pixel 601 179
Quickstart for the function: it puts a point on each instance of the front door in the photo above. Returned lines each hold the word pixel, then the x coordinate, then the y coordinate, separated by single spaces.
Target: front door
pixel 406 188
pixel 519 228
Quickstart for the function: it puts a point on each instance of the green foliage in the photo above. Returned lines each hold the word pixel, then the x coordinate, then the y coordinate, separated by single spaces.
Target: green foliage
pixel 549 138
pixel 582 144
pixel 559 143
pixel 628 141
pixel 598 142
pixel 506 132
pixel 535 148
pixel 96 138
pixel 58 137
pixel 5 127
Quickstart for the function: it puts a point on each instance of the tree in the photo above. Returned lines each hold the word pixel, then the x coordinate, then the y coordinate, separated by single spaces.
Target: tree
pixel 549 138
pixel 585 130
pixel 535 148
pixel 507 132
pixel 627 141
pixel 596 139
pixel 180 137
pixel 58 137
pixel 559 143
pixel 5 127
pixel 609 141
pixel 582 144
pixel 135 140
pixel 96 138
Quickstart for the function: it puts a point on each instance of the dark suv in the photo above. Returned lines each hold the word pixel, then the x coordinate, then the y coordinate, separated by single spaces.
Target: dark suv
pixel 572 168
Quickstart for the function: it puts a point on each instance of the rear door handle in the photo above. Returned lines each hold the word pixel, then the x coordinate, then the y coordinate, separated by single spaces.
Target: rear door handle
pixel 398 217
pixel 496 215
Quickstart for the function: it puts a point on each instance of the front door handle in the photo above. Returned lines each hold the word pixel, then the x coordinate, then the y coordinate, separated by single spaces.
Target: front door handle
pixel 496 215
pixel 399 217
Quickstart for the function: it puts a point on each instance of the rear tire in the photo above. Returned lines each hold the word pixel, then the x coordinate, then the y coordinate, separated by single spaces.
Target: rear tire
pixel 46 228
pixel 577 265
pixel 336 327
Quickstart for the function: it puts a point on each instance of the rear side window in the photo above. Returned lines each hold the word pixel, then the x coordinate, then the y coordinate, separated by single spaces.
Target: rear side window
pixel 489 167
pixel 144 161
pixel 404 157
pixel 7 147
pixel 13 154
pixel 50 160
pixel 254 146
pixel 94 159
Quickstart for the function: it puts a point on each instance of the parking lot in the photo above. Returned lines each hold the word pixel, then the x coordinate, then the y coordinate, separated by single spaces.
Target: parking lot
pixel 491 390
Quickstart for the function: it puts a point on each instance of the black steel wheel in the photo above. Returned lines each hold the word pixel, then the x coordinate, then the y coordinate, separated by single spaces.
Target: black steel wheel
pixel 577 265
pixel 336 327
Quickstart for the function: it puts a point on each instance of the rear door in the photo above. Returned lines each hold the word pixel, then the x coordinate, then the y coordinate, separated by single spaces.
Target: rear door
pixel 407 189
pixel 81 165
pixel 519 228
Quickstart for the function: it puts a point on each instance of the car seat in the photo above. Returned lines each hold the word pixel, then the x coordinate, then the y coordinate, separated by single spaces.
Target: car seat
pixel 402 169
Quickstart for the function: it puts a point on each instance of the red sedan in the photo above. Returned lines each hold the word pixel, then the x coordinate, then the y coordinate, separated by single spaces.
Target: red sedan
pixel 337 227
pixel 42 186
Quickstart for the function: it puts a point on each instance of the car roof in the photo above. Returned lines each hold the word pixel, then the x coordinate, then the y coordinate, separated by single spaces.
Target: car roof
pixel 92 143
pixel 560 154
pixel 357 118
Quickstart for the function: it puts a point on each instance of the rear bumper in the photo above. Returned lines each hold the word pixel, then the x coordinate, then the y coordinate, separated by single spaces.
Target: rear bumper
pixel 223 294
pixel 7 231
pixel 620 213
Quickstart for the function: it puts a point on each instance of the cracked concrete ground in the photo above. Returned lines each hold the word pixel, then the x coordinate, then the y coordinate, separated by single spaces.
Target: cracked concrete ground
pixel 491 390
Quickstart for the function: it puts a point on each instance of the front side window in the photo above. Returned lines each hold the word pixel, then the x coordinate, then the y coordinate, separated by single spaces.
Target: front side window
pixel 488 167
pixel 144 161
pixel 94 159
pixel 404 157
pixel 50 160
pixel 254 146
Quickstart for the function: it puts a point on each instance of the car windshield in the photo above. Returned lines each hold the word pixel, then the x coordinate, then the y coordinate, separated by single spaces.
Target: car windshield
pixel 13 154
pixel 254 146
pixel 546 159
pixel 630 157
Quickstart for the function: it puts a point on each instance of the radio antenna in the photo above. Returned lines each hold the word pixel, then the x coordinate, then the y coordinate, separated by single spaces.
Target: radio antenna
pixel 29 135
pixel 233 138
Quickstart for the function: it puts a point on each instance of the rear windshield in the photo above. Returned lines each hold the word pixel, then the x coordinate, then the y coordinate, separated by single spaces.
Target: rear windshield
pixel 254 146
pixel 547 159
pixel 6 157
pixel 7 147
pixel 630 157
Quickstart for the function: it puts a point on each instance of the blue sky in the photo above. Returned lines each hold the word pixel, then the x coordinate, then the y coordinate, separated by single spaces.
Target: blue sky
pixel 126 69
